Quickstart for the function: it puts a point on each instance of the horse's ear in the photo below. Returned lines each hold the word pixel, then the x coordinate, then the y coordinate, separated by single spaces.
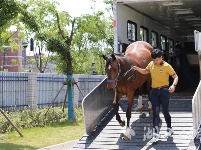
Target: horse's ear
pixel 104 57
pixel 113 56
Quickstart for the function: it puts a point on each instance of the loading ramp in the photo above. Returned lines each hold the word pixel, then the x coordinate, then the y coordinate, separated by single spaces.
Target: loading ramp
pixel 108 133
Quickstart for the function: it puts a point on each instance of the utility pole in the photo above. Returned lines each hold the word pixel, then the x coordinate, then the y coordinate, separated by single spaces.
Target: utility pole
pixel 94 1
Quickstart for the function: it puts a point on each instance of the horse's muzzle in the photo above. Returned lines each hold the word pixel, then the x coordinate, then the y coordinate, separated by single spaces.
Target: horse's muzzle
pixel 111 87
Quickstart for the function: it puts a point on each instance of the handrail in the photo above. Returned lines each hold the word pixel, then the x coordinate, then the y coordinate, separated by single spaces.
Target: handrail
pixel 196 110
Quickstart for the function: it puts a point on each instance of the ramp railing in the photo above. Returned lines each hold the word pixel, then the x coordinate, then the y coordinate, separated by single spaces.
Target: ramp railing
pixel 96 105
pixel 196 110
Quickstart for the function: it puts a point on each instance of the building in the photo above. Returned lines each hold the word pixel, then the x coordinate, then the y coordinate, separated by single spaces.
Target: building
pixel 7 56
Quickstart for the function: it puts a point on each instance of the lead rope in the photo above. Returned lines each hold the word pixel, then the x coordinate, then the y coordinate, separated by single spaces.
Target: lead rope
pixel 123 75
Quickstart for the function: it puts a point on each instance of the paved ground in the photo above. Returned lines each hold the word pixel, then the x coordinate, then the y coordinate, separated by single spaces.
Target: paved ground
pixel 62 146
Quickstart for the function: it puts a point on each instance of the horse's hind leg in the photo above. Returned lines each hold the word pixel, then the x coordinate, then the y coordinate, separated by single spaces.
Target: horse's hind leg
pixel 116 109
pixel 140 105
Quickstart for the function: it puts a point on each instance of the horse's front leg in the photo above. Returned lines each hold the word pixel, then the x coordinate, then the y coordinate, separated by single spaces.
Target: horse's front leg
pixel 116 108
pixel 129 132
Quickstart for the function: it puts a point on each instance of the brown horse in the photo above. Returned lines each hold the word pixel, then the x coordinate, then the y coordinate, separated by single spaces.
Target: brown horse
pixel 123 79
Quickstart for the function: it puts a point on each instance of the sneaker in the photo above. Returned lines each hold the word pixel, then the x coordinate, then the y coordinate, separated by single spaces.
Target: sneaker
pixel 169 132
pixel 155 138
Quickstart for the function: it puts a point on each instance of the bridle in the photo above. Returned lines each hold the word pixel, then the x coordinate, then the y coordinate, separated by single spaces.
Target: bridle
pixel 118 77
pixel 119 71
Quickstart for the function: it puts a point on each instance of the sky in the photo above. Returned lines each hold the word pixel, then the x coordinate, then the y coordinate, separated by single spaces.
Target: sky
pixel 78 7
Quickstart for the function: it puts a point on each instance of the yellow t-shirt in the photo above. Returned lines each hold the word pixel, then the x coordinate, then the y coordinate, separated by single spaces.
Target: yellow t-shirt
pixel 160 73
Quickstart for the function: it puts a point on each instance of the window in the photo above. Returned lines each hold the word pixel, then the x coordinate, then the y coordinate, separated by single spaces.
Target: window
pixel 144 34
pixel 164 47
pixel 171 45
pixel 163 43
pixel 154 39
pixel 131 31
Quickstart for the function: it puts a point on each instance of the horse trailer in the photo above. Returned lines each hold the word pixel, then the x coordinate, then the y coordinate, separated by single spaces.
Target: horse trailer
pixel 161 23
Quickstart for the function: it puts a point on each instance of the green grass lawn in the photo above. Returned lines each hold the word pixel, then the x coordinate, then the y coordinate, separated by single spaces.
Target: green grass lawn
pixel 35 138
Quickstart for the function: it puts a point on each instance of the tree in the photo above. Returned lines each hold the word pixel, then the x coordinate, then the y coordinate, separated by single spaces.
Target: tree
pixel 13 13
pixel 52 31
pixel 63 35
pixel 94 38
pixel 66 36
pixel 39 56
pixel 60 29
pixel 9 11
pixel 43 11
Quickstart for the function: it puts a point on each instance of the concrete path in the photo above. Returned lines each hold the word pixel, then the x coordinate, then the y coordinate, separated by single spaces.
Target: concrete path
pixel 62 146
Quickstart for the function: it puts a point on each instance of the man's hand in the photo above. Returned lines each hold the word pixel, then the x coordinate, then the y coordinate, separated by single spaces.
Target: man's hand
pixel 134 68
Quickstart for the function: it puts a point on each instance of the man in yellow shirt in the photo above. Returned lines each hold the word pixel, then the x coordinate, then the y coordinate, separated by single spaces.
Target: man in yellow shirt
pixel 160 93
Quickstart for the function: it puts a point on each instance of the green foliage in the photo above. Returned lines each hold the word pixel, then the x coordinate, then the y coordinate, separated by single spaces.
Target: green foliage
pixel 94 38
pixel 76 42
pixel 41 12
pixel 31 61
pixel 56 45
pixel 15 62
pixel 63 51
pixel 53 31
pixel 9 9
pixel 28 118
pixel 14 13
pixel 29 20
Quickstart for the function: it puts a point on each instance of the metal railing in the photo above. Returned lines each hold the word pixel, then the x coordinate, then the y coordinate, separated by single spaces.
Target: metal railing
pixel 196 110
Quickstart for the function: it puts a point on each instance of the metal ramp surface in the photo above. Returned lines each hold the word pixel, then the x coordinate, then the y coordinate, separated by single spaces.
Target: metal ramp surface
pixel 108 134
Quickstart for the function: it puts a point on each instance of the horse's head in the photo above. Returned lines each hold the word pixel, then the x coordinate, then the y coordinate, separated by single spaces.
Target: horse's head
pixel 112 70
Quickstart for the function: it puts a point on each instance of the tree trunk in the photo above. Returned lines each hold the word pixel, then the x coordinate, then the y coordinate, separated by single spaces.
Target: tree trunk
pixel 71 115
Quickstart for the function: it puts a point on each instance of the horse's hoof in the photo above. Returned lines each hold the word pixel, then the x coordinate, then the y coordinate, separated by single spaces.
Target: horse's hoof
pixel 150 110
pixel 125 138
pixel 141 110
pixel 122 124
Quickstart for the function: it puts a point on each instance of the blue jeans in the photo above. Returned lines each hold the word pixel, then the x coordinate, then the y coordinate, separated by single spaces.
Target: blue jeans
pixel 160 97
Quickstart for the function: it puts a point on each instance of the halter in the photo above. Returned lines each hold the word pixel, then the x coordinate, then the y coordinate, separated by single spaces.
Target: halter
pixel 118 78
pixel 119 71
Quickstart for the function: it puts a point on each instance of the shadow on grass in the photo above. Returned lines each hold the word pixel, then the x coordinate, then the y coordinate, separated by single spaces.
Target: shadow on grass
pixel 11 146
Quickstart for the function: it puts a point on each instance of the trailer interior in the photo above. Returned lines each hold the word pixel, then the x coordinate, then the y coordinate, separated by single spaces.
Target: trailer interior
pixel 171 21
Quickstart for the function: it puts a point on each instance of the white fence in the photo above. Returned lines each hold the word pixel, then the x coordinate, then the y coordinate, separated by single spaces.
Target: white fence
pixel 19 90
